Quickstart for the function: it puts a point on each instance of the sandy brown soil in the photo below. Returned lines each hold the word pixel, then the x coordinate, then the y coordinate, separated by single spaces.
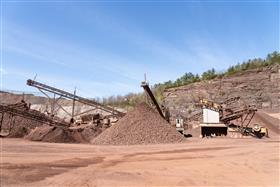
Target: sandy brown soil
pixel 198 162
pixel 273 114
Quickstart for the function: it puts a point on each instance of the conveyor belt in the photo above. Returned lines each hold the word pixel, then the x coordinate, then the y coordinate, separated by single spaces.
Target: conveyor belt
pixel 74 97
pixel 151 95
pixel 30 114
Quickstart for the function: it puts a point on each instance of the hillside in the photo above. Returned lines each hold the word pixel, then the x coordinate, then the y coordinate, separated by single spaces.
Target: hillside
pixel 259 86
pixel 11 98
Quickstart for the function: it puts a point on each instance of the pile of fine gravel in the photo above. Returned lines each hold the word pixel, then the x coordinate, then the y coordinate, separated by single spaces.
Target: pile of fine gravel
pixel 142 125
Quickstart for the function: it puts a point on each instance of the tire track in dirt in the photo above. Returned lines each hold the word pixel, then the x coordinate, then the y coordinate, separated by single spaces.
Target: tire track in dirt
pixel 27 173
pixel 131 157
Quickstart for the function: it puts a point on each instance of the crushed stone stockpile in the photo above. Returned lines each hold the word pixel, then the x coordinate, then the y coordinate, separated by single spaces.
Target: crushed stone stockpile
pixel 21 128
pixel 52 134
pixel 142 125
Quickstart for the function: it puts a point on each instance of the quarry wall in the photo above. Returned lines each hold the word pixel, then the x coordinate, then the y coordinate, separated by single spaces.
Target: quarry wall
pixel 258 87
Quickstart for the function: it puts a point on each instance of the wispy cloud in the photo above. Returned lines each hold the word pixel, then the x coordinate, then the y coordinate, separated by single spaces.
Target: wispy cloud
pixel 67 55
pixel 166 62
pixel 85 88
pixel 198 52
pixel 103 69
pixel 131 33
pixel 3 71
pixel 62 53
pixel 80 61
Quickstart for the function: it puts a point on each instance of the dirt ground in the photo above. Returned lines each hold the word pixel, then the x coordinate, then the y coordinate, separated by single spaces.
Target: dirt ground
pixel 198 162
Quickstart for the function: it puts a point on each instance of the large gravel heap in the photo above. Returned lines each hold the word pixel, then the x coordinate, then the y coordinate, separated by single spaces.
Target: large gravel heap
pixel 46 133
pixel 142 125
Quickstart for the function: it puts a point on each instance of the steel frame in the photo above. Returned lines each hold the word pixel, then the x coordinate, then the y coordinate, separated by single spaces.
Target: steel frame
pixel 28 114
pixel 152 97
pixel 63 94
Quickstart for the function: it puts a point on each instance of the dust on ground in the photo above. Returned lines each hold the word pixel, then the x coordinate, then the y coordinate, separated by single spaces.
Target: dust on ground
pixel 198 162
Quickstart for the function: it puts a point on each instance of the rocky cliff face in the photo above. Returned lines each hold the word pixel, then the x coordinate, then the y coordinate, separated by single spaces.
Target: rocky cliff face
pixel 260 87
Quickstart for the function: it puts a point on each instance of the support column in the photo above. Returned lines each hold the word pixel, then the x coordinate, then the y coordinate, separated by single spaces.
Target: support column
pixel 1 122
pixel 73 107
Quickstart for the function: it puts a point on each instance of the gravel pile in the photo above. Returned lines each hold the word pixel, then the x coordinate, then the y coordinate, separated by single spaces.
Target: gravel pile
pixel 52 134
pixel 21 128
pixel 48 133
pixel 142 125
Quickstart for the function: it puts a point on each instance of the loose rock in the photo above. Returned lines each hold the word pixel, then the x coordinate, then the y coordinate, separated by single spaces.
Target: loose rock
pixel 142 125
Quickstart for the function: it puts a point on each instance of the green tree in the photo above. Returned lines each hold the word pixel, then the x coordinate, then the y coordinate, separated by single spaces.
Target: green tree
pixel 208 75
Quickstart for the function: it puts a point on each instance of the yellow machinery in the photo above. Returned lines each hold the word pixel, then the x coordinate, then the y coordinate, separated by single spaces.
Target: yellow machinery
pixel 259 131
pixel 210 104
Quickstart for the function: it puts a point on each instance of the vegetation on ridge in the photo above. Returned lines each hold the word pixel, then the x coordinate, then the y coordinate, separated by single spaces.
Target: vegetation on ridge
pixel 132 99
pixel 189 78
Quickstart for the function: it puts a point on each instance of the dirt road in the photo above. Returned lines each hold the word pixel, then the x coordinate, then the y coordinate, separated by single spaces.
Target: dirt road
pixel 198 162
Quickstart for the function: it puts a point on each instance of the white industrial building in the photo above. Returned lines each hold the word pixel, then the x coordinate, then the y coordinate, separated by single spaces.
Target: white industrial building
pixel 211 125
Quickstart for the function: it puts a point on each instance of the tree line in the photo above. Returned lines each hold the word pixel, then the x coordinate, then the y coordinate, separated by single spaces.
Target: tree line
pixel 210 74
pixel 132 99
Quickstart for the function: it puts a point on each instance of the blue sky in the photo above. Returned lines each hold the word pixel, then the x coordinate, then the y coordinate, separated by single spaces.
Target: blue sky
pixel 104 48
